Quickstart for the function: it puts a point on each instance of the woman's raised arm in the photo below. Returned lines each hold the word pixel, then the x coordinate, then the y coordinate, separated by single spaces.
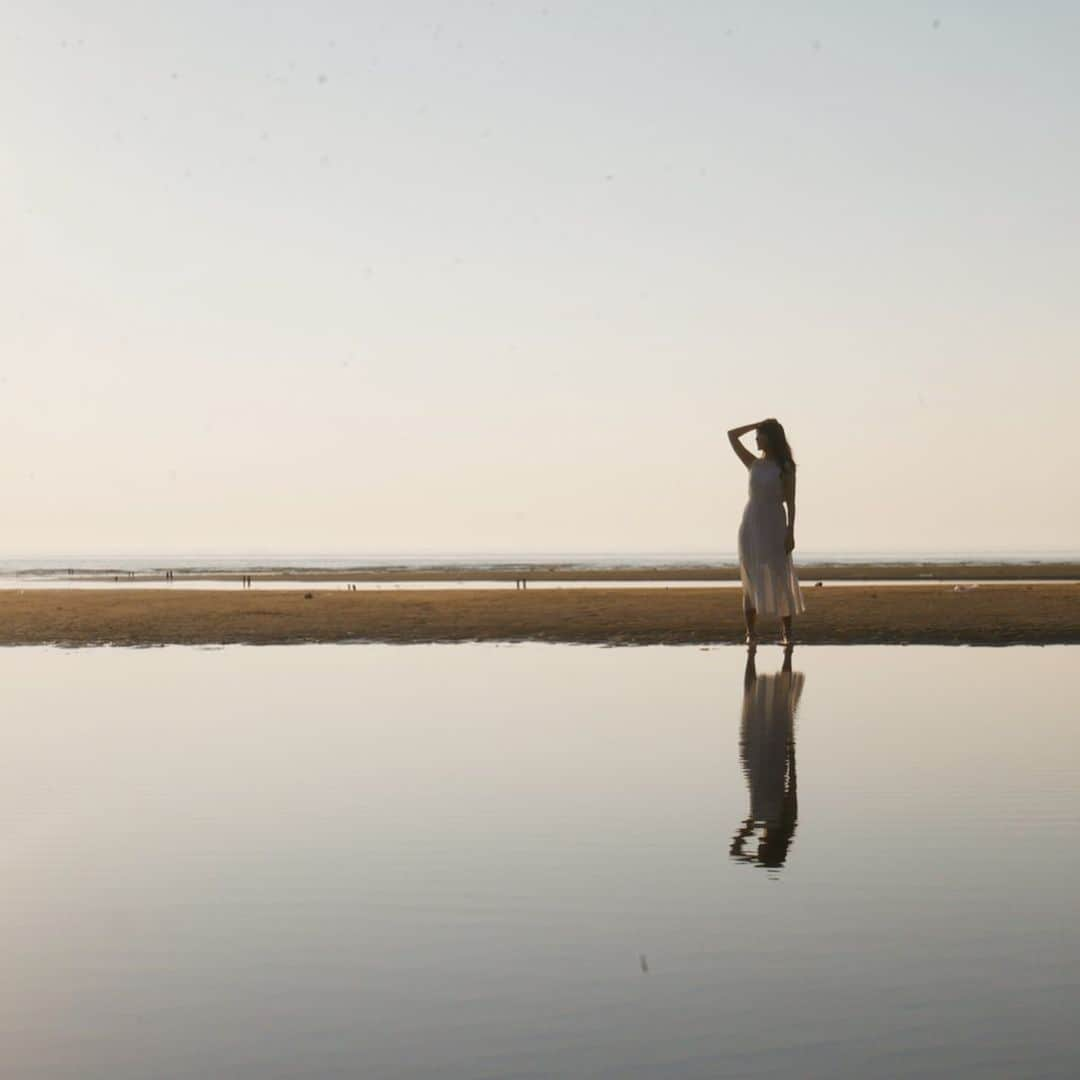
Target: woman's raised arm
pixel 734 435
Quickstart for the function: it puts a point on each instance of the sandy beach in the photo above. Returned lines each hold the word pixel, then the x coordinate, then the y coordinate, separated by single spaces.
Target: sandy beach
pixel 995 614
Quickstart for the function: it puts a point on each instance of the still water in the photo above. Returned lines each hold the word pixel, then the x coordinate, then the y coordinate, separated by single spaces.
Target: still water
pixel 483 861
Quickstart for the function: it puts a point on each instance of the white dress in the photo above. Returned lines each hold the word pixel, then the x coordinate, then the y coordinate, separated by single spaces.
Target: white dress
pixel 768 576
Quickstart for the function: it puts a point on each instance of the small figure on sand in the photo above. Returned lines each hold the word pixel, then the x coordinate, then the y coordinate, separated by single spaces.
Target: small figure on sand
pixel 766 535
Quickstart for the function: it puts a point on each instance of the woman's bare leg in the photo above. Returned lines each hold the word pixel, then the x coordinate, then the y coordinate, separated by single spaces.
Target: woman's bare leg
pixel 750 614
pixel 786 637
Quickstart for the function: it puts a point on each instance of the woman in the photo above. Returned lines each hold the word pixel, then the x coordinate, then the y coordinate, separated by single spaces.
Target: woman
pixel 766 537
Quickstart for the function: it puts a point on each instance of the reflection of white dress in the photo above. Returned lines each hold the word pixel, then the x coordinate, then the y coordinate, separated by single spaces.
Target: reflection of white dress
pixel 767 735
pixel 768 576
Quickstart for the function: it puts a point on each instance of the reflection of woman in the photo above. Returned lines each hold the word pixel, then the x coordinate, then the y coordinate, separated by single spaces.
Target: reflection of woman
pixel 767 748
pixel 767 534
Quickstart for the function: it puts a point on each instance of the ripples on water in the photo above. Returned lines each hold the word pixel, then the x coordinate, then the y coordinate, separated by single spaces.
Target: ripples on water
pixel 510 861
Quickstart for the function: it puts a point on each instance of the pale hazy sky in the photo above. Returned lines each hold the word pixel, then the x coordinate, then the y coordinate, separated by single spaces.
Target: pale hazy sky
pixel 346 276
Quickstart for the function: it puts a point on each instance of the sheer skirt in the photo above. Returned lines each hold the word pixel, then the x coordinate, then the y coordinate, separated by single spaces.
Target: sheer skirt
pixel 768 574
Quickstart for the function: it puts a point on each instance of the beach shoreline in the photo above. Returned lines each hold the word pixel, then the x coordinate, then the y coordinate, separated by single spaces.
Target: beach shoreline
pixel 809 572
pixel 903 614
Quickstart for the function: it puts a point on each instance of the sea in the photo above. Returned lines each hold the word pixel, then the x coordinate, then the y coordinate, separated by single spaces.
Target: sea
pixel 186 563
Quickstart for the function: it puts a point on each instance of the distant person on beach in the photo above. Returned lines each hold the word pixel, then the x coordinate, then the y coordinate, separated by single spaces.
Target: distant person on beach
pixel 766 535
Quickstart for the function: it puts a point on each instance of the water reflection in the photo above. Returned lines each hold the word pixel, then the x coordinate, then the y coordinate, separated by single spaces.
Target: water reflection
pixel 767 749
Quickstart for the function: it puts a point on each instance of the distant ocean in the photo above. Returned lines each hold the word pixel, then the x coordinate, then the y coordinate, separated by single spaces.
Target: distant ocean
pixel 57 566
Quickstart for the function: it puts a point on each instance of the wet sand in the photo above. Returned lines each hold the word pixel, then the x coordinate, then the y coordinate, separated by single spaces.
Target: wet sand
pixel 996 614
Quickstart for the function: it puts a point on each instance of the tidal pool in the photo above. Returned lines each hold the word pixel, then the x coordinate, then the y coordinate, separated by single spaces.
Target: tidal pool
pixel 483 861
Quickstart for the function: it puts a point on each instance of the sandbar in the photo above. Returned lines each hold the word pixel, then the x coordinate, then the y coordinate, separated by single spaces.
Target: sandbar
pixel 928 614
pixel 809 571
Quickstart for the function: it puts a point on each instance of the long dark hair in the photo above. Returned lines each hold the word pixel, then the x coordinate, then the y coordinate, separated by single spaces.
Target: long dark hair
pixel 778 445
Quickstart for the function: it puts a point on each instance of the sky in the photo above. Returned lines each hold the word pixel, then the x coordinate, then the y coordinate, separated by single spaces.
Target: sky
pixel 456 276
